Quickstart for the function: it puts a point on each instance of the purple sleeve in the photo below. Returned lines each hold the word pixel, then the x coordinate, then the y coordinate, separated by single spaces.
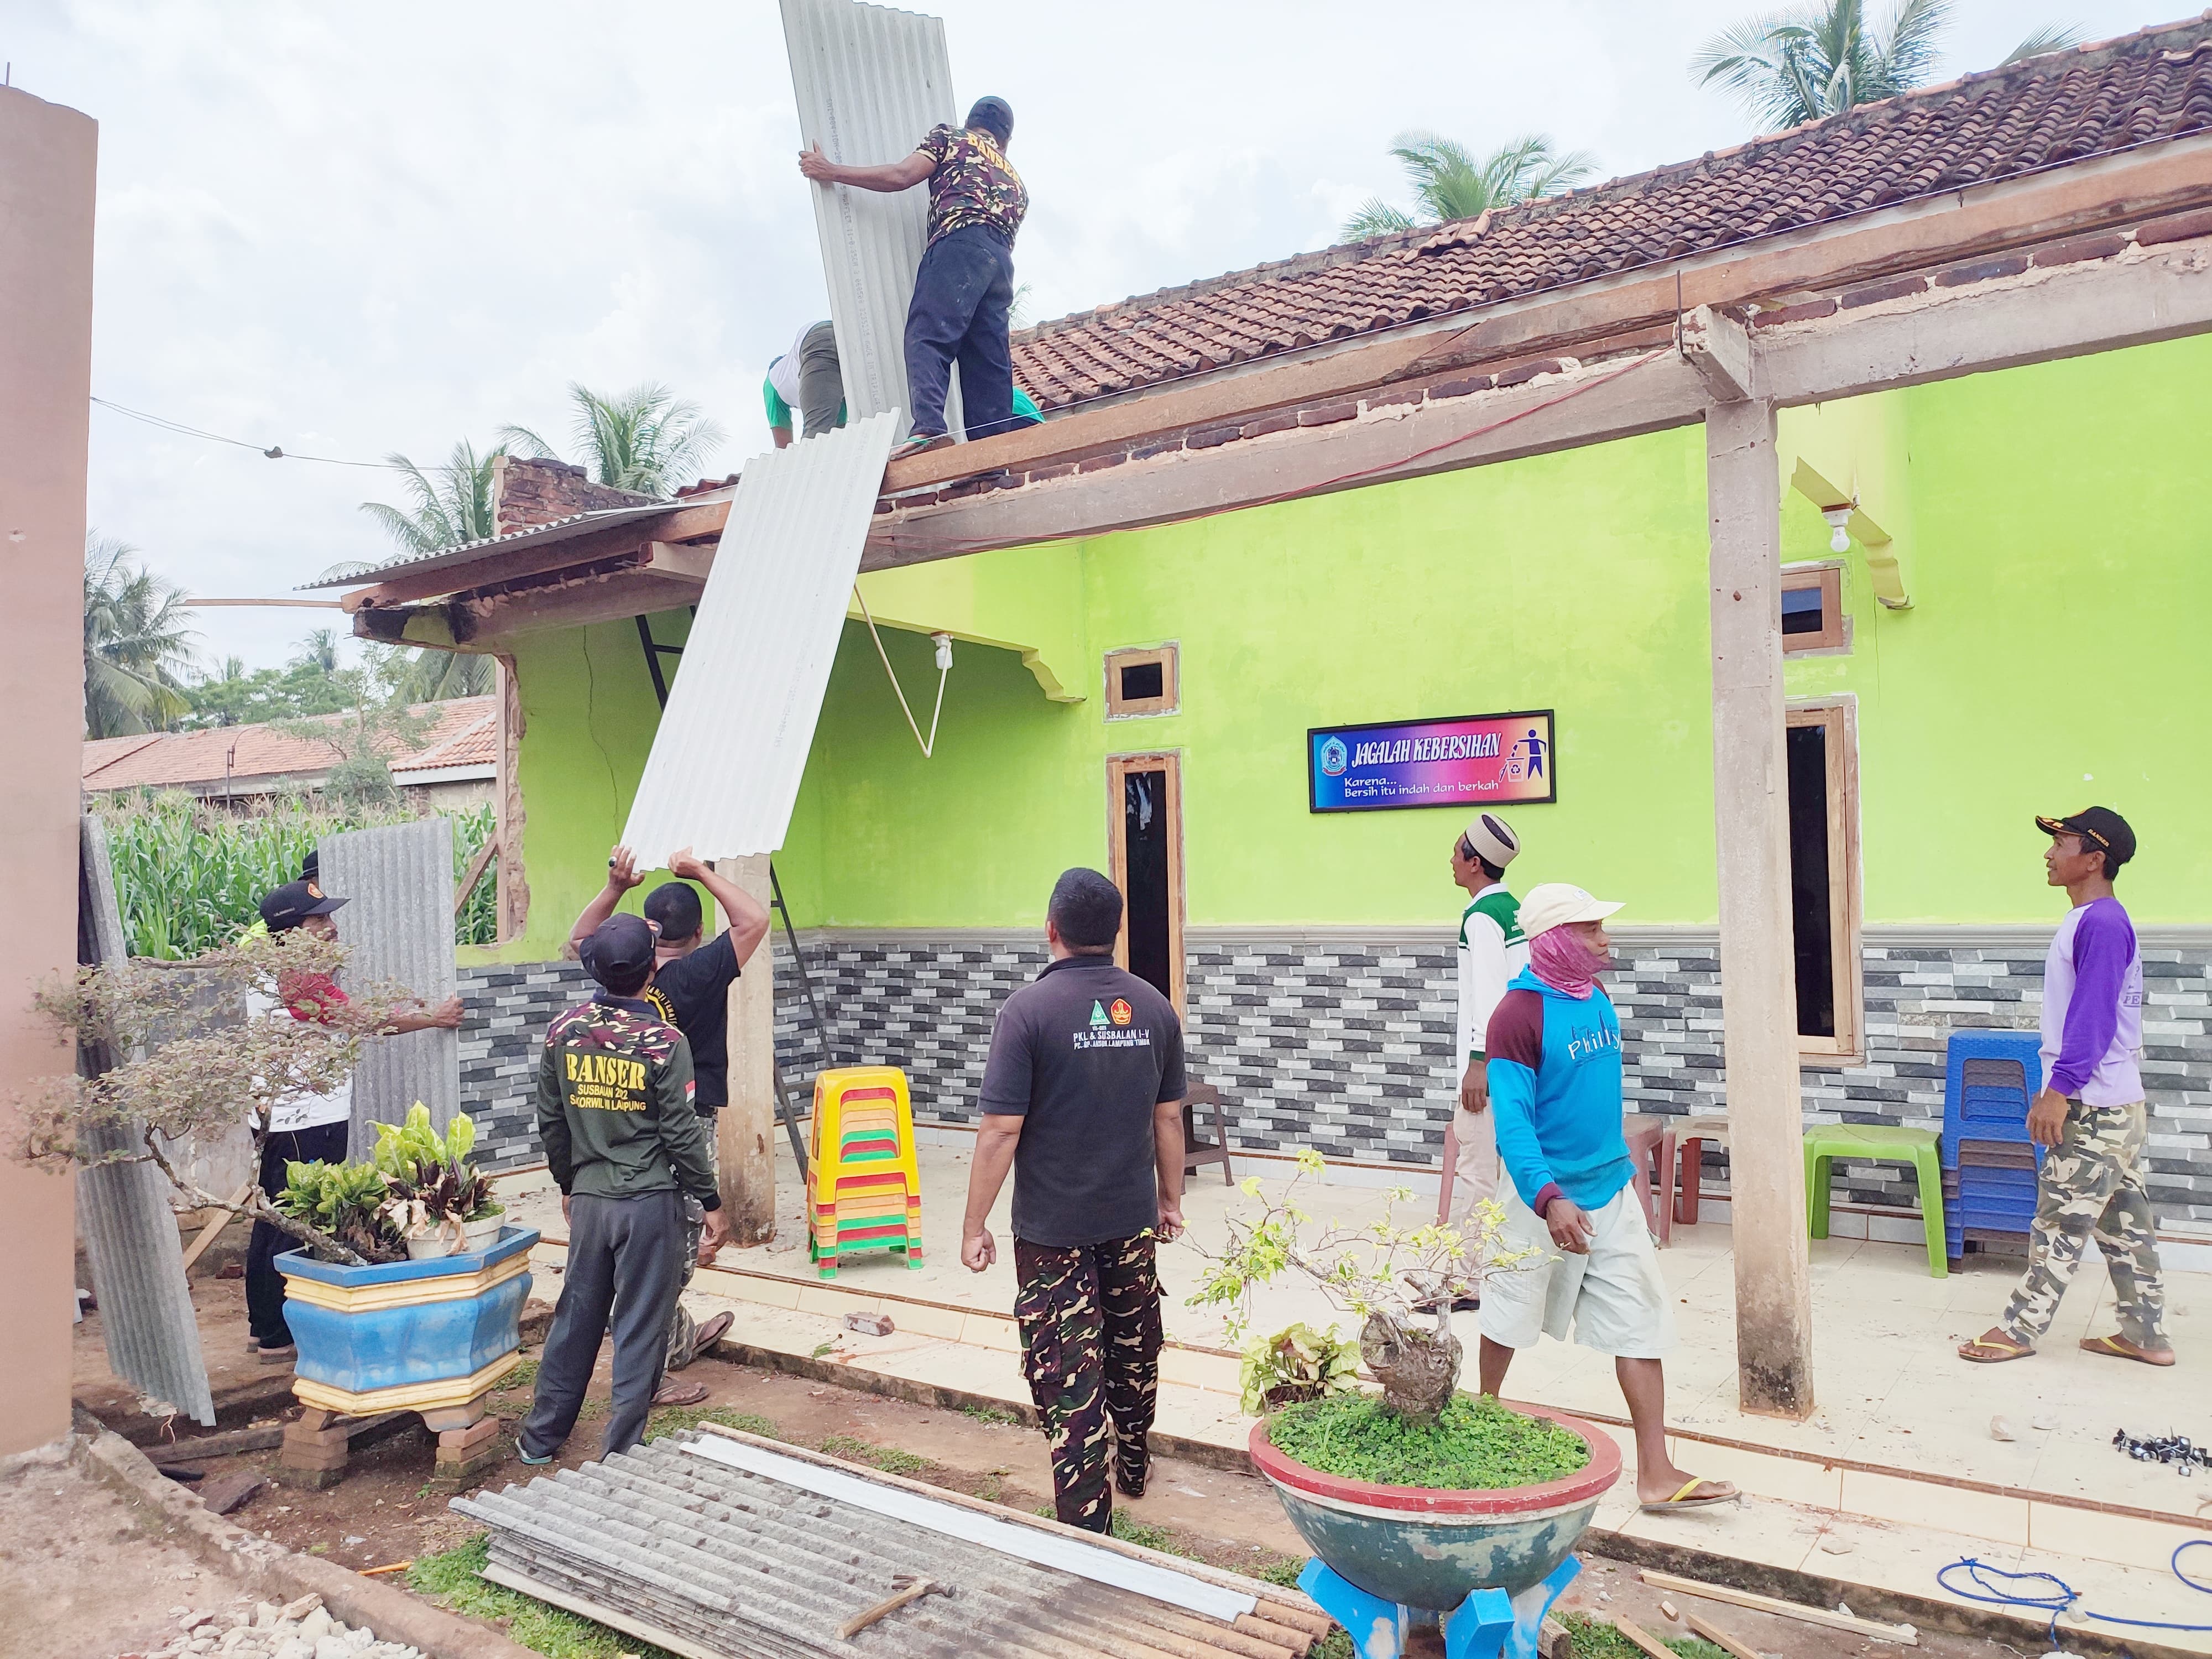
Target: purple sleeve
pixel 2104 944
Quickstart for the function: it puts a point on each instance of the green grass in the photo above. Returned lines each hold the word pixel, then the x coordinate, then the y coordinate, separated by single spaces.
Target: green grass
pixel 990 1414
pixel 454 1579
pixel 889 1459
pixel 1130 1530
pixel 1476 1445
pixel 670 1419
pixel 1593 1640
pixel 523 1376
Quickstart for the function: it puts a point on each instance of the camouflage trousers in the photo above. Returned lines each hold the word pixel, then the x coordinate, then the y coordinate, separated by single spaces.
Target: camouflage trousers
pixel 2092 1186
pixel 1089 1320
pixel 683 1330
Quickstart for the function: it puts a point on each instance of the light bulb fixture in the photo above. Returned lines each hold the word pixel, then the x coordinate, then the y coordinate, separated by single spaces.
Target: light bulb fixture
pixel 944 644
pixel 1838 518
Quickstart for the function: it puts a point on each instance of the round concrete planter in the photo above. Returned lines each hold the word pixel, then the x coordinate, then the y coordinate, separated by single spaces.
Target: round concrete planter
pixel 1426 1548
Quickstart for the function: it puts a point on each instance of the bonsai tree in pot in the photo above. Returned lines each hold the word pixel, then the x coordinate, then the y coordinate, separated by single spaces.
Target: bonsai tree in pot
pixel 155 1072
pixel 1399 1281
pixel 1422 1499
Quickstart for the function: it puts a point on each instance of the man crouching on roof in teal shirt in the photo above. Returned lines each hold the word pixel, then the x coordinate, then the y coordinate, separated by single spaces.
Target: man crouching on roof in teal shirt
pixel 1555 1091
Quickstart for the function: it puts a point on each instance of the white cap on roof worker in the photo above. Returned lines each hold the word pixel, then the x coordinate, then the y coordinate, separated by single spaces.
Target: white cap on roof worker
pixel 1491 951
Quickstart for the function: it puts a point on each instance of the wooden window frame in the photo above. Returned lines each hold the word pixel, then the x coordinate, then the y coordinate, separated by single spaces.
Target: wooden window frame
pixel 1170 702
pixel 1839 717
pixel 1118 767
pixel 1835 633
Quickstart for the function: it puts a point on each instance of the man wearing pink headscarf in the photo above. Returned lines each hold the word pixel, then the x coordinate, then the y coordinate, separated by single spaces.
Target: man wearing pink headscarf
pixel 1555 1093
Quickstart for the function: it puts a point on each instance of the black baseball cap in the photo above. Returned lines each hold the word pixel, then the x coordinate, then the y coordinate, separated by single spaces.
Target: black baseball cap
pixel 293 904
pixel 620 951
pixel 2101 829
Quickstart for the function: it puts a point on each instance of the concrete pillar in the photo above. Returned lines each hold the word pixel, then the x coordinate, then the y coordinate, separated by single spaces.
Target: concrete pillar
pixel 1751 811
pixel 746 1128
pixel 48 156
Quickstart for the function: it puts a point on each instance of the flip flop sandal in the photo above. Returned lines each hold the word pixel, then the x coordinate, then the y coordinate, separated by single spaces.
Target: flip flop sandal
pixel 1683 1500
pixel 680 1393
pixel 2112 1347
pixel 712 1331
pixel 1987 1353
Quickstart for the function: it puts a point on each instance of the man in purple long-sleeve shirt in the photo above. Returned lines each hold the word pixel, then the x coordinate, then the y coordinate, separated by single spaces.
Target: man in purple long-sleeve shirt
pixel 2090 1112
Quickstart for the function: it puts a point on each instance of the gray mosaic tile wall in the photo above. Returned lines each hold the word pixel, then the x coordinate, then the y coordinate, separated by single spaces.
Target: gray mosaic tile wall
pixel 1342 1044
pixel 506 1008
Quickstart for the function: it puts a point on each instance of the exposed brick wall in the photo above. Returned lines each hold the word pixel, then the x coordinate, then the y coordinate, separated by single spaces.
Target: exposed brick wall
pixel 525 492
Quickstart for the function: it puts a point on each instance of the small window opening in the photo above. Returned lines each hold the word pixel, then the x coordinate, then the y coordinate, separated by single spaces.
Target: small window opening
pixel 1143 680
pixel 1813 608
pixel 1801 611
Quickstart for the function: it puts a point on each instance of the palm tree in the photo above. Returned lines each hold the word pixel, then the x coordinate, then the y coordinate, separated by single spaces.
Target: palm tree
pixel 453 503
pixel 1450 181
pixel 647 440
pixel 1792 67
pixel 136 642
pixel 428 676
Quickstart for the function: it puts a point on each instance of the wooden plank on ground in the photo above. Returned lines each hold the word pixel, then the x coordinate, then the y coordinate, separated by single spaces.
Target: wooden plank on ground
pixel 1904 1634
pixel 1636 1633
pixel 1720 1638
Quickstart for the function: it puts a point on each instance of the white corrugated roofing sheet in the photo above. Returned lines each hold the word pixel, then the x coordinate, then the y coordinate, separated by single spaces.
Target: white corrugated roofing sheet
pixel 871 81
pixel 726 761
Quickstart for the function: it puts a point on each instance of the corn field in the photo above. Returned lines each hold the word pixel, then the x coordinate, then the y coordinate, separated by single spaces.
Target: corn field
pixel 190 877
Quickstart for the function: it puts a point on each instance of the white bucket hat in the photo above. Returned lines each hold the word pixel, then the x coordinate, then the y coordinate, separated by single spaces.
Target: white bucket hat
pixel 1554 903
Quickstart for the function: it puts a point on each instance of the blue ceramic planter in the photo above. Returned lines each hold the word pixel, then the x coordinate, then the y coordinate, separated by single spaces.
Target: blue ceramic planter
pixel 1428 1549
pixel 407 1335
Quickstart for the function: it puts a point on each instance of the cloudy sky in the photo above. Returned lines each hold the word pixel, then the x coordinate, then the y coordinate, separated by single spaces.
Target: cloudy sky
pixel 350 231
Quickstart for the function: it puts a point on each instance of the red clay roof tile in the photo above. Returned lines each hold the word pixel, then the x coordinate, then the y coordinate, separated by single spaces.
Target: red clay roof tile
pixel 2061 107
pixel 183 759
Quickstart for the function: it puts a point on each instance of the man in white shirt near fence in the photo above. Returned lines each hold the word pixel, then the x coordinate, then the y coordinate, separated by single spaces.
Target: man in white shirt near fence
pixel 1491 953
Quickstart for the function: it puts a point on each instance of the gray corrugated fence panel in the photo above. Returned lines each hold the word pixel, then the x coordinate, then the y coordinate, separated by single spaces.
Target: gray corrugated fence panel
pixel 871 81
pixel 146 1314
pixel 398 929
pixel 731 744
pixel 734 1563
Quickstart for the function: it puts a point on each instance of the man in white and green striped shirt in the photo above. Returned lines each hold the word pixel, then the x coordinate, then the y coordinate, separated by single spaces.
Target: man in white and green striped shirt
pixel 1491 953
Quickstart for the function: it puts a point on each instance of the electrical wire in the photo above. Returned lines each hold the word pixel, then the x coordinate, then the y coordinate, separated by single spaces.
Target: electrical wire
pixel 2060 1597
pixel 929 743
pixel 273 451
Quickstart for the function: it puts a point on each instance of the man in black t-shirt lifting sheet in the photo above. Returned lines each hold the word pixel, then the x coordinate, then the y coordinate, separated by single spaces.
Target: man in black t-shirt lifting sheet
pixel 1083 1099
pixel 690 990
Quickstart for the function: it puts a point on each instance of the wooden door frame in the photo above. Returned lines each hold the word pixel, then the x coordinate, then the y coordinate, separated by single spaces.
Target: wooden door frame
pixel 1118 767
pixel 1839 716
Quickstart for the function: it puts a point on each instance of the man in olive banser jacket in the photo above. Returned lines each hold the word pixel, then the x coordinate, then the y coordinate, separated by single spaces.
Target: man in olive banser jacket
pixel 622 1142
pixel 1586 1258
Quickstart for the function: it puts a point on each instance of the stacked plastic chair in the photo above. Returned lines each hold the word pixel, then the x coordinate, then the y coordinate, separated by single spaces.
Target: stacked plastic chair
pixel 863 1191
pixel 1990 1164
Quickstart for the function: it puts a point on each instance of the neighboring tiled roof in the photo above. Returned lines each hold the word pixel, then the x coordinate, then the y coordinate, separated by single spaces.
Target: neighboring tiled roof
pixel 2061 107
pixel 185 760
pixel 474 744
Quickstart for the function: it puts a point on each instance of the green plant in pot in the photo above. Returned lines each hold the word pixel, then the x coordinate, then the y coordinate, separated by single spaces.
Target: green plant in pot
pixel 345 1201
pixel 437 1200
pixel 1417 1497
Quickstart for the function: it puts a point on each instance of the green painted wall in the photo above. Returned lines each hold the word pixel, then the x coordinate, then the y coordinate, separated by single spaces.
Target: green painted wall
pixel 589 714
pixel 2055 547
pixel 2055 653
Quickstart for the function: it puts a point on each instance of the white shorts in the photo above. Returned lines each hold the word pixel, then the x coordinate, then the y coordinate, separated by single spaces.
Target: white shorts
pixel 1615 1298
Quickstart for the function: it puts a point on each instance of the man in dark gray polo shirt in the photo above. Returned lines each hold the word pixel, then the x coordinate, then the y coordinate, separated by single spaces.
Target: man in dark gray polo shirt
pixel 1082 1098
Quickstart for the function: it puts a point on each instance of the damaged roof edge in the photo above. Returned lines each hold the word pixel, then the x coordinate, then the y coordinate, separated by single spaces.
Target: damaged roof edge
pixel 582 524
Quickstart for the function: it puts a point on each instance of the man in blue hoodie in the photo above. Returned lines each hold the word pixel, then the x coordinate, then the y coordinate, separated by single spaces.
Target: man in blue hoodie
pixel 1555 1092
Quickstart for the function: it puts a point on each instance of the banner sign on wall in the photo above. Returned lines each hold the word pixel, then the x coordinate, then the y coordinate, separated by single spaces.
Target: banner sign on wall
pixel 1476 760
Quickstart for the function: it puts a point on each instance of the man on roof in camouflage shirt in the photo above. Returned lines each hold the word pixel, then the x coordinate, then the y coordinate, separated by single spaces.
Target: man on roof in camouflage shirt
pixel 964 288
pixel 623 1144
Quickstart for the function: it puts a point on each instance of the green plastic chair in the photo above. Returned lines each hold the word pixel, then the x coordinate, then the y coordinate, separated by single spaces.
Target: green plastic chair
pixel 1872 1144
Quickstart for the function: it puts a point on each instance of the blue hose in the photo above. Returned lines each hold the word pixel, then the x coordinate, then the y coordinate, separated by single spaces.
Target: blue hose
pixel 2058 1596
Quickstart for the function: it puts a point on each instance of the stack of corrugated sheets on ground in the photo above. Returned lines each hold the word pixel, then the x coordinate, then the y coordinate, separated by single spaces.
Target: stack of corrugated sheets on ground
pixel 721 1546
